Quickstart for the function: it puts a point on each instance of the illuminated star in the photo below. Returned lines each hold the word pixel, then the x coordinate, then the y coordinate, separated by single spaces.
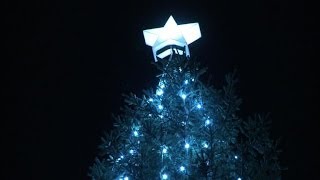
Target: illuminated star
pixel 171 35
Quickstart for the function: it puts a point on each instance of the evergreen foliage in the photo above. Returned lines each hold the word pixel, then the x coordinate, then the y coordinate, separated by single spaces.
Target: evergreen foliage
pixel 185 129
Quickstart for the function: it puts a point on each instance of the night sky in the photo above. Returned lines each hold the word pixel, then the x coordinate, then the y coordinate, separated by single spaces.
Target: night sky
pixel 70 61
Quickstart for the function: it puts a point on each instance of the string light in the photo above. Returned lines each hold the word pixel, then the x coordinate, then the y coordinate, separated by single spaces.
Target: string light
pixel 205 145
pixel 187 146
pixel 125 178
pixel 161 84
pixel 199 106
pixel 183 96
pixel 159 92
pixel 207 122
pixel 164 176
pixel 182 168
pixel 239 178
pixel 236 157
pixel 160 107
pixel 131 151
pixel 186 82
pixel 164 150
pixel 135 133
pixel 150 100
pixel 121 157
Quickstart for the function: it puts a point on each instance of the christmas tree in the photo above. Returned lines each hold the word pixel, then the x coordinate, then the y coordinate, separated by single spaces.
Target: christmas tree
pixel 184 128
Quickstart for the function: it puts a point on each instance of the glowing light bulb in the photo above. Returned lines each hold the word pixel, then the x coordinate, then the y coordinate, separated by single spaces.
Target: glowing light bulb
pixel 186 82
pixel 164 176
pixel 236 157
pixel 199 106
pixel 126 178
pixel 131 151
pixel 161 84
pixel 187 146
pixel 182 168
pixel 164 150
pixel 192 79
pixel 121 156
pixel 207 122
pixel 159 92
pixel 160 107
pixel 183 96
pixel 150 100
pixel 239 178
pixel 135 133
pixel 205 145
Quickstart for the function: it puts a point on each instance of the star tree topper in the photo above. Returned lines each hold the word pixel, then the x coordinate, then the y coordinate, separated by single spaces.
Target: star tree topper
pixel 171 35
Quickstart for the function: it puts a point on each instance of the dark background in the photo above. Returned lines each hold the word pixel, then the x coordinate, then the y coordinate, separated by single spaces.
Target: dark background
pixel 70 61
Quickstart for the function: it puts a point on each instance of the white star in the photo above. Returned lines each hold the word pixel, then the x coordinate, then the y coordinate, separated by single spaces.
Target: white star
pixel 171 34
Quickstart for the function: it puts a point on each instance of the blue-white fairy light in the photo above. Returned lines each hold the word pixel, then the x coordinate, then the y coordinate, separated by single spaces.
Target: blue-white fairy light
pixel 160 107
pixel 183 96
pixel 159 92
pixel 171 34
pixel 199 106
pixel 164 176
pixel 135 133
pixel 207 122
pixel 131 151
pixel 182 168
pixel 187 146
pixel 162 86
pixel 186 81
pixel 205 145
pixel 164 150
